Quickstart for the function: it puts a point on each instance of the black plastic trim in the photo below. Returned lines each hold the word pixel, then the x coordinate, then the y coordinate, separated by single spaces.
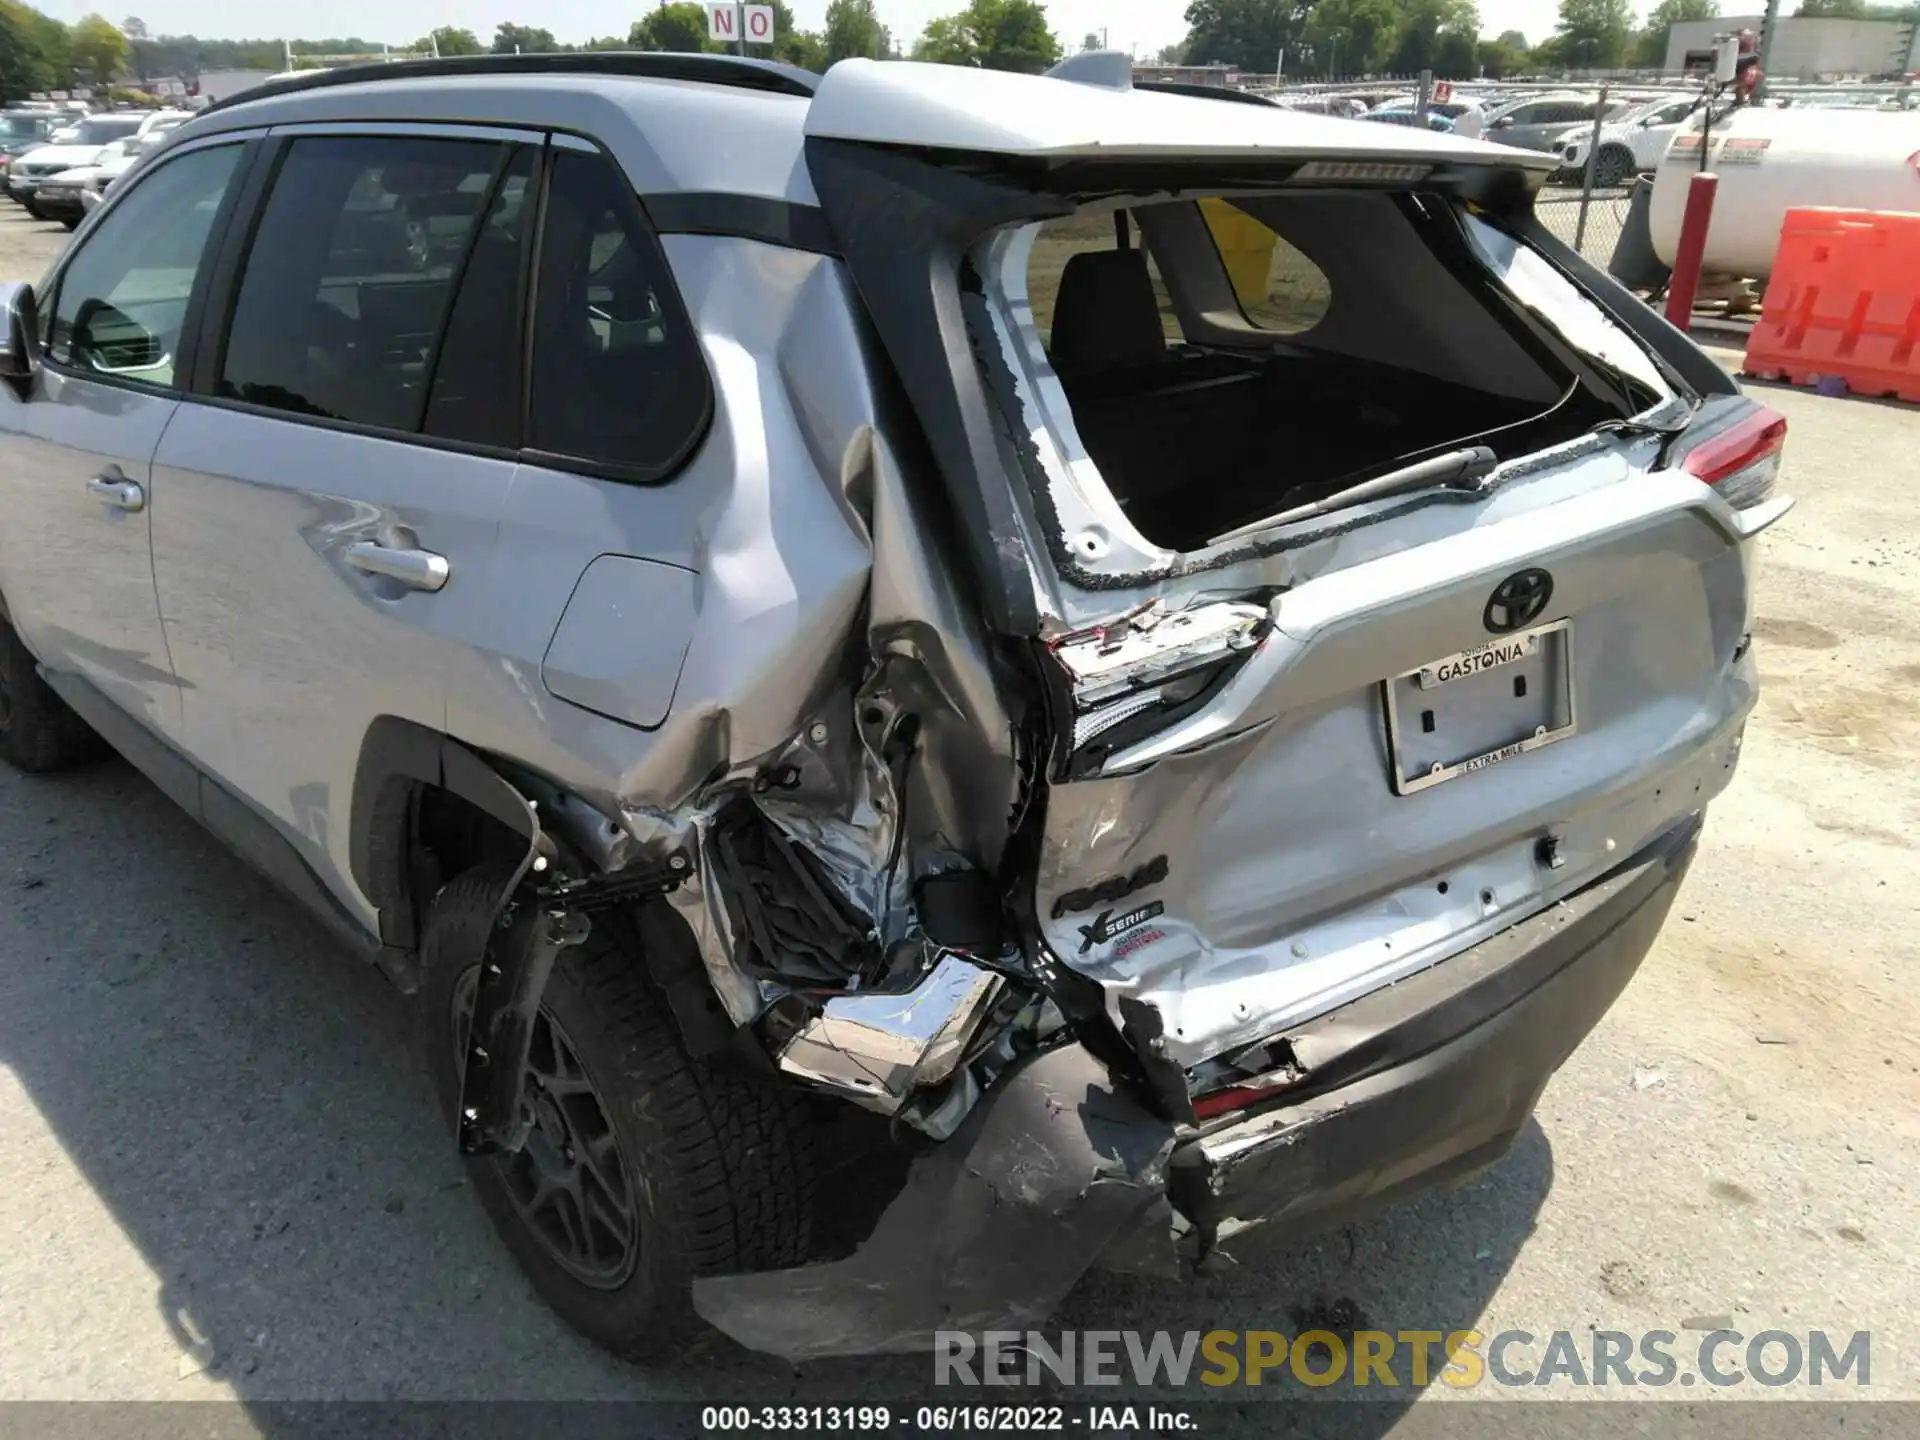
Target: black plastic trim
pixel 739 71
pixel 398 753
pixel 748 217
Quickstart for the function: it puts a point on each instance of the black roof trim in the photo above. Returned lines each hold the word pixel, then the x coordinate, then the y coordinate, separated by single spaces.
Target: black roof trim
pixel 1204 92
pixel 737 70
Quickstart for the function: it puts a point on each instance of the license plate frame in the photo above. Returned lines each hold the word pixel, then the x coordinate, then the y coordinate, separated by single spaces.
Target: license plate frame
pixel 1544 651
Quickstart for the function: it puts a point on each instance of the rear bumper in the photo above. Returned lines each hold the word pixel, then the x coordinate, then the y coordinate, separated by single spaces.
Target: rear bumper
pixel 1433 1077
pixel 1058 1169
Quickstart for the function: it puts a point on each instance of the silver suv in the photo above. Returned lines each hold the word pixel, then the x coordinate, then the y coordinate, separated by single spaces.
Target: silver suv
pixel 1080 669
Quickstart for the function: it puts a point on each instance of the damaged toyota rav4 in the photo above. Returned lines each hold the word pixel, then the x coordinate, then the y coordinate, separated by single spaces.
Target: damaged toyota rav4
pixel 930 679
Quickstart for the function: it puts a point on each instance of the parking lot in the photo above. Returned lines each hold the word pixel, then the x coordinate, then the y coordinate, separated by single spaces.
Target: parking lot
pixel 225 1180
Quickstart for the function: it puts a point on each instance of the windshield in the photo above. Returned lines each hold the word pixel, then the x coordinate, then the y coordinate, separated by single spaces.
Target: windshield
pixel 101 129
pixel 21 127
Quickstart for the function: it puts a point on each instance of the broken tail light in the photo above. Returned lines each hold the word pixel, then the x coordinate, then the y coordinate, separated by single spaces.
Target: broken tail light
pixel 1742 462
pixel 1129 678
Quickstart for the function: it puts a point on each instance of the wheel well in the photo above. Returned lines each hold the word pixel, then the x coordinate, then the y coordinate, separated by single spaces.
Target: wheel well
pixel 419 837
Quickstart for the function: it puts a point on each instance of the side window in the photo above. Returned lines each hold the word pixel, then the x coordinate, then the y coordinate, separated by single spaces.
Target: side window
pixel 350 274
pixel 1569 113
pixel 476 381
pixel 618 376
pixel 122 300
pixel 1279 288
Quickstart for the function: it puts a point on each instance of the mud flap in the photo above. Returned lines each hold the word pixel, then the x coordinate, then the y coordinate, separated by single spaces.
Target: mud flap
pixel 993 1228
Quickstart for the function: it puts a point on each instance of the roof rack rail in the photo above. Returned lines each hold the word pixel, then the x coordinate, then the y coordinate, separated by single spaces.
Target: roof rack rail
pixel 736 70
pixel 1204 92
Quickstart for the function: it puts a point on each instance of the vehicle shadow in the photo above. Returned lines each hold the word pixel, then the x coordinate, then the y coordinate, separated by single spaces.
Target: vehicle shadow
pixel 244 1101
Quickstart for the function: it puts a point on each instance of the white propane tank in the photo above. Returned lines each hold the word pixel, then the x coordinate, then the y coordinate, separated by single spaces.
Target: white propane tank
pixel 1770 161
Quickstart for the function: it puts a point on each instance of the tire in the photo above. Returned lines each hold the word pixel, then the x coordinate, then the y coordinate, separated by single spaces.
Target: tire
pixel 72 222
pixel 1612 167
pixel 718 1166
pixel 38 733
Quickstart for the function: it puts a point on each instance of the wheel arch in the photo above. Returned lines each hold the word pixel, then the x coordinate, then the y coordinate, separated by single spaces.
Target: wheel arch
pixel 426 807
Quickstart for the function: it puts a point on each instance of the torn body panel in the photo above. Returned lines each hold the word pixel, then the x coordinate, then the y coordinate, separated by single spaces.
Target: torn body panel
pixel 994 1226
pixel 840 730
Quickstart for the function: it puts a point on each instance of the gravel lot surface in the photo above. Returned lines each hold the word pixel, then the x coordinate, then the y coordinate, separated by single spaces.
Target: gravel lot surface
pixel 225 1181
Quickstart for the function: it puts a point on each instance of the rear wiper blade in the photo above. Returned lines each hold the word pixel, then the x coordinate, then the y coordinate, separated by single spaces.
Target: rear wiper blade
pixel 1461 470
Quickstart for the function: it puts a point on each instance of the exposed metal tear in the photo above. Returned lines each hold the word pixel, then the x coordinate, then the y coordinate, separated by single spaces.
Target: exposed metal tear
pixel 878 1049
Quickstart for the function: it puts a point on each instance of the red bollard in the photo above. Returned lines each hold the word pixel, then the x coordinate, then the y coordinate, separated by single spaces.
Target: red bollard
pixel 1691 249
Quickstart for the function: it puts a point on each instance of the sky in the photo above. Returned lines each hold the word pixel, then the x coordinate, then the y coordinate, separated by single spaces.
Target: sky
pixel 1142 26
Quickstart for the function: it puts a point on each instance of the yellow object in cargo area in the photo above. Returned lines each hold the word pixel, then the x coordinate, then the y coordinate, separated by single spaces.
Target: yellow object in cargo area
pixel 1246 247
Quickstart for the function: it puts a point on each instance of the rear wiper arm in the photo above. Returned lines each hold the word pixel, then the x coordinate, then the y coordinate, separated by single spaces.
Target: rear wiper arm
pixel 1460 470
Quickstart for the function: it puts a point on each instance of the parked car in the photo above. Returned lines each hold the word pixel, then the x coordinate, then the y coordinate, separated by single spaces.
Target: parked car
pixel 71 195
pixel 21 131
pixel 790 612
pixel 1631 143
pixel 80 145
pixel 1432 120
pixel 1535 123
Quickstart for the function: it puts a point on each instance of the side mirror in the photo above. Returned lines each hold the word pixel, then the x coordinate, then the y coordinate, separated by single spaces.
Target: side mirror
pixel 1505 122
pixel 19 333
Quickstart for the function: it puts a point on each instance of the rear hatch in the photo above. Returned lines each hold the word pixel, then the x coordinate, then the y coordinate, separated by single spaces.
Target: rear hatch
pixel 1352 531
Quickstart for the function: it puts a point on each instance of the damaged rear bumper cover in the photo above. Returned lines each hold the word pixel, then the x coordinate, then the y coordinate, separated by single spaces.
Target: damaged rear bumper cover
pixel 1057 1169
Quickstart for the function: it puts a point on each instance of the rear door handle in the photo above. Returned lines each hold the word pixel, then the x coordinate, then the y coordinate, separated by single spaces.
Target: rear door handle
pixel 416 569
pixel 117 491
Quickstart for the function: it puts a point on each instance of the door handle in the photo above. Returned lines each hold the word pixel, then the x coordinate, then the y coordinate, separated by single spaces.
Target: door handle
pixel 416 569
pixel 117 491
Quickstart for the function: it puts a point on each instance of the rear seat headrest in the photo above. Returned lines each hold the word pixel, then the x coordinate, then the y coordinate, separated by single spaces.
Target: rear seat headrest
pixel 1106 313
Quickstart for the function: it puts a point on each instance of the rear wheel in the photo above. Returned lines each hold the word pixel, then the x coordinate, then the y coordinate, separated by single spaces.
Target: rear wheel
pixel 1612 166
pixel 37 731
pixel 72 222
pixel 644 1168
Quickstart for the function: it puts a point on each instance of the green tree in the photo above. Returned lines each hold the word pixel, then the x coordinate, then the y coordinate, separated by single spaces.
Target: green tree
pixel 1594 34
pixel 1423 26
pixel 1832 9
pixel 99 49
pixel 680 27
pixel 948 40
pixel 1501 58
pixel 805 48
pixel 853 30
pixel 449 40
pixel 1247 33
pixel 1352 37
pixel 1013 35
pixel 524 40
pixel 994 35
pixel 1650 45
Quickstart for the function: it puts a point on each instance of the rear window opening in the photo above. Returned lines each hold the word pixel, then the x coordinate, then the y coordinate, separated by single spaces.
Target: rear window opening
pixel 1223 360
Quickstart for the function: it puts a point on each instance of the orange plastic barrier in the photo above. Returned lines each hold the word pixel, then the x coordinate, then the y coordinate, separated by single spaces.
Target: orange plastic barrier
pixel 1843 304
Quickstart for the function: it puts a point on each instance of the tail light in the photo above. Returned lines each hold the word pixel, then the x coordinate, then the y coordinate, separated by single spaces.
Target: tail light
pixel 1743 460
pixel 1133 676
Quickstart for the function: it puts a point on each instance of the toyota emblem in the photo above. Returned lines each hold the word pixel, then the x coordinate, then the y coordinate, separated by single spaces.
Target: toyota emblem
pixel 1518 600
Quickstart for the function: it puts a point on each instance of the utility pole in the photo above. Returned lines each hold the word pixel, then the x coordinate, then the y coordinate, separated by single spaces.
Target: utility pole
pixel 1767 27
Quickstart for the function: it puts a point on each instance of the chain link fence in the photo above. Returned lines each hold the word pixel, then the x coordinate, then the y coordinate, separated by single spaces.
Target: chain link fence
pixel 1586 204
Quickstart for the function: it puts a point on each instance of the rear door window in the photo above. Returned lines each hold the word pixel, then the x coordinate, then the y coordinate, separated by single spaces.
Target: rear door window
pixel 345 293
pixel 619 383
